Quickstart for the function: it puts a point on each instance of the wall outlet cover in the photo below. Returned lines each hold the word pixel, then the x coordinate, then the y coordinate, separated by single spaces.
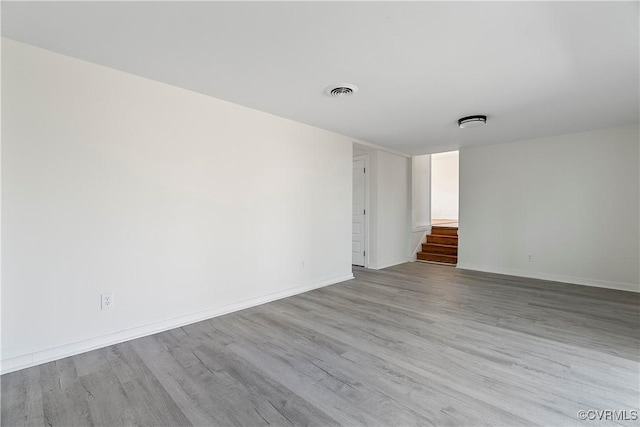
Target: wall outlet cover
pixel 106 300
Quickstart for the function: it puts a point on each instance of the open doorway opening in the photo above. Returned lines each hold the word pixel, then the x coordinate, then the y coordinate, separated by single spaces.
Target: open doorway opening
pixel 441 242
pixel 444 188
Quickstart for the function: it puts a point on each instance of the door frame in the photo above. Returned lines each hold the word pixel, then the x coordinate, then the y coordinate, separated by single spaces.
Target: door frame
pixel 367 173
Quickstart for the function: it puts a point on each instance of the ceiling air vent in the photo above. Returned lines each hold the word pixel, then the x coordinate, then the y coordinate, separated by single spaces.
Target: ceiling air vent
pixel 341 90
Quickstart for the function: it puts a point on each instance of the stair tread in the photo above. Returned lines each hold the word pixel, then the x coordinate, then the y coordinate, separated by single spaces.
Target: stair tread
pixel 436 262
pixel 443 255
pixel 442 245
pixel 442 239
pixel 444 231
pixel 427 256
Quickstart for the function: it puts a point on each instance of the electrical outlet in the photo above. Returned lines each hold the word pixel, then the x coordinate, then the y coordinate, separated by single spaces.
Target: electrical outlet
pixel 107 301
pixel 530 257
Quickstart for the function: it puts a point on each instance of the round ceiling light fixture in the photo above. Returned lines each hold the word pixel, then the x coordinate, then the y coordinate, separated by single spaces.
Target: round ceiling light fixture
pixel 343 89
pixel 472 121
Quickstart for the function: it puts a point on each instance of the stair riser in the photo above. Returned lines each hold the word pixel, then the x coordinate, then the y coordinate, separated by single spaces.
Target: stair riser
pixel 443 240
pixel 433 249
pixel 437 258
pixel 444 231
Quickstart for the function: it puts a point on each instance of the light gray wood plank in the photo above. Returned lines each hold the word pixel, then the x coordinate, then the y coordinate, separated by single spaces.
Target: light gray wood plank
pixel 414 344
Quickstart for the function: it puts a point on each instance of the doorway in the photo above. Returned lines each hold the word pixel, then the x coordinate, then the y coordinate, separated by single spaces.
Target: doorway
pixel 444 188
pixel 359 224
pixel 441 245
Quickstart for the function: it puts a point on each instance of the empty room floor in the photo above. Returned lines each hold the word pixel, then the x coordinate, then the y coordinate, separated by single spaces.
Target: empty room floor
pixel 415 344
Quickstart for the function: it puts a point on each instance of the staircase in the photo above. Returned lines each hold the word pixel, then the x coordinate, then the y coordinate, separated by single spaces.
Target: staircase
pixel 441 245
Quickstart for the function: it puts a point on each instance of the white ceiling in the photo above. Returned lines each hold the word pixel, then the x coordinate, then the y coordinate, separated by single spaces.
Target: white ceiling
pixel 535 68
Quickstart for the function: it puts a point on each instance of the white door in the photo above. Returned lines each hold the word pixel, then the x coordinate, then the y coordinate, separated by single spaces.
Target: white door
pixel 358 230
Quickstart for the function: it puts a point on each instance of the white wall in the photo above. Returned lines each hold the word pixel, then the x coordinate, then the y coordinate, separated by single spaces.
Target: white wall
pixel 391 213
pixel 571 201
pixel 444 185
pixel 390 207
pixel 421 191
pixel 183 205
pixel 420 203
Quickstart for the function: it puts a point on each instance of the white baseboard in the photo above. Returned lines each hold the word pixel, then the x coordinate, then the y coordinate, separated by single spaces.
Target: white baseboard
pixel 630 287
pixel 387 265
pixel 33 359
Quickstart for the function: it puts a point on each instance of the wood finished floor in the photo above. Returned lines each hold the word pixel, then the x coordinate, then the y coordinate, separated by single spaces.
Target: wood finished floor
pixel 415 344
